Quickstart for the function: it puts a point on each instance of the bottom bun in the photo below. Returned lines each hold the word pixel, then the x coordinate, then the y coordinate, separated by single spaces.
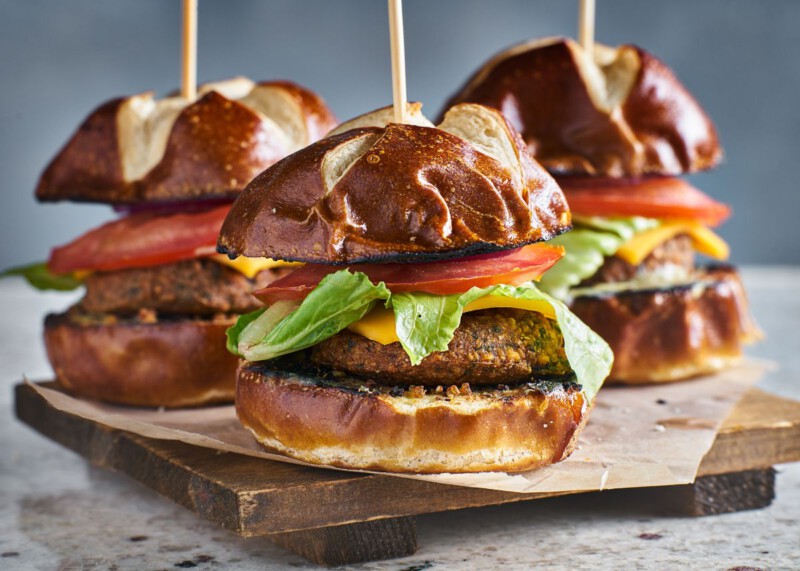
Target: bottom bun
pixel 342 421
pixel 674 333
pixel 174 363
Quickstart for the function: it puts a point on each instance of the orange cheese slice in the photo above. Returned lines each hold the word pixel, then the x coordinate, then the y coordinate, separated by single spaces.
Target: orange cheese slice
pixel 250 267
pixel 704 240
pixel 379 324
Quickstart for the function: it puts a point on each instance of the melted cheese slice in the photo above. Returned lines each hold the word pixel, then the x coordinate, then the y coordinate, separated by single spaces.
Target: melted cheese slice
pixel 250 267
pixel 379 324
pixel 705 241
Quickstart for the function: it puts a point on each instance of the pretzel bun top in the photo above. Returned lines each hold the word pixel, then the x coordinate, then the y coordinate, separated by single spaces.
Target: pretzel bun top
pixel 139 149
pixel 621 113
pixel 380 191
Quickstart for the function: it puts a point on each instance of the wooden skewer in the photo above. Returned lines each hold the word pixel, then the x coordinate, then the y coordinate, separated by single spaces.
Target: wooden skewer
pixel 398 60
pixel 189 59
pixel 586 27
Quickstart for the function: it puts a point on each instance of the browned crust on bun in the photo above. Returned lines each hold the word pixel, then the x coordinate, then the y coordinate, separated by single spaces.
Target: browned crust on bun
pixel 399 192
pixel 136 149
pixel 177 363
pixel 88 167
pixel 625 115
pixel 675 333
pixel 349 425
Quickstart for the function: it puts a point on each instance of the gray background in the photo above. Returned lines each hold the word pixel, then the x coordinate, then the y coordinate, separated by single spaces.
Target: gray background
pixel 59 59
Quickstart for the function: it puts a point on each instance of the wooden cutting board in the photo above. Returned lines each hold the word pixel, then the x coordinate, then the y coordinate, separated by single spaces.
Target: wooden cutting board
pixel 335 518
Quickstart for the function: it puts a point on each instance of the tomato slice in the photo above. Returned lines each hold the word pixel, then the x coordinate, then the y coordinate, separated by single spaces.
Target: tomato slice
pixel 511 267
pixel 653 197
pixel 141 240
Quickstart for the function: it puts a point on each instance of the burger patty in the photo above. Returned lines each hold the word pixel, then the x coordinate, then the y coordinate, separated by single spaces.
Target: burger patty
pixel 193 287
pixel 78 316
pixel 677 252
pixel 489 347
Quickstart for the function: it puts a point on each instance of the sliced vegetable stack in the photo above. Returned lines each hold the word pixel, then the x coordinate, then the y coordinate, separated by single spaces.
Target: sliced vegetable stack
pixel 616 128
pixel 641 233
pixel 150 329
pixel 414 338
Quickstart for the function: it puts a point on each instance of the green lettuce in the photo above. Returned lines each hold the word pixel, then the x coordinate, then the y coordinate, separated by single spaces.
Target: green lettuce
pixel 39 276
pixel 586 247
pixel 589 355
pixel 341 298
pixel 234 332
pixel 425 323
pixel 624 227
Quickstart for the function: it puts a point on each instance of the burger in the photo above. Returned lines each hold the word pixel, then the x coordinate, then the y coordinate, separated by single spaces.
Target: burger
pixel 150 329
pixel 413 338
pixel 617 129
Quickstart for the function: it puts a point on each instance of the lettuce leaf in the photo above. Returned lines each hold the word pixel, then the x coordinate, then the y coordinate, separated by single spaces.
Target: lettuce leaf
pixel 340 299
pixel 39 276
pixel 586 247
pixel 233 332
pixel 589 355
pixel 624 227
pixel 426 323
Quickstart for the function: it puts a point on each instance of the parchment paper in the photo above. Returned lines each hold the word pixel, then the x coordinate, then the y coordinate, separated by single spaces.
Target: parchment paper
pixel 636 437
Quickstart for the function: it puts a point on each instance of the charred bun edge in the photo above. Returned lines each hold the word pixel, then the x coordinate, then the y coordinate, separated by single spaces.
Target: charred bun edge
pixel 399 193
pixel 672 333
pixel 174 363
pixel 411 257
pixel 341 421
pixel 137 149
pixel 625 114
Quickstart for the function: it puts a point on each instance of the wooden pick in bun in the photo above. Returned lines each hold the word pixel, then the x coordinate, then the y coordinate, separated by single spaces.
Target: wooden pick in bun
pixel 404 227
pixel 615 128
pixel 622 113
pixel 150 330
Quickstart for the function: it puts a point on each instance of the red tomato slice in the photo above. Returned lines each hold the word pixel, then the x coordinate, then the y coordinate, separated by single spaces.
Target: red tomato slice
pixel 511 267
pixel 656 197
pixel 141 240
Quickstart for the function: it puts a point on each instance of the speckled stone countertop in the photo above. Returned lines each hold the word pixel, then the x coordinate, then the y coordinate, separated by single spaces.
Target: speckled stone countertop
pixel 57 512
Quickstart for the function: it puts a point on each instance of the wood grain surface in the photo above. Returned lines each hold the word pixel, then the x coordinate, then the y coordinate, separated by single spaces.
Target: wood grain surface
pixel 251 496
pixel 314 512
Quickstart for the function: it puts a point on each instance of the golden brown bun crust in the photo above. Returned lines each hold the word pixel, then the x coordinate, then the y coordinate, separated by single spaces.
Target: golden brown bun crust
pixel 657 128
pixel 89 166
pixel 330 424
pixel 170 363
pixel 412 191
pixel 672 334
pixel 214 147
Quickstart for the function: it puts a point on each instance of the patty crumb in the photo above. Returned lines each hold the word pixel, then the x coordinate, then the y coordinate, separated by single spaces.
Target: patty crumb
pixel 416 391
pixel 147 315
